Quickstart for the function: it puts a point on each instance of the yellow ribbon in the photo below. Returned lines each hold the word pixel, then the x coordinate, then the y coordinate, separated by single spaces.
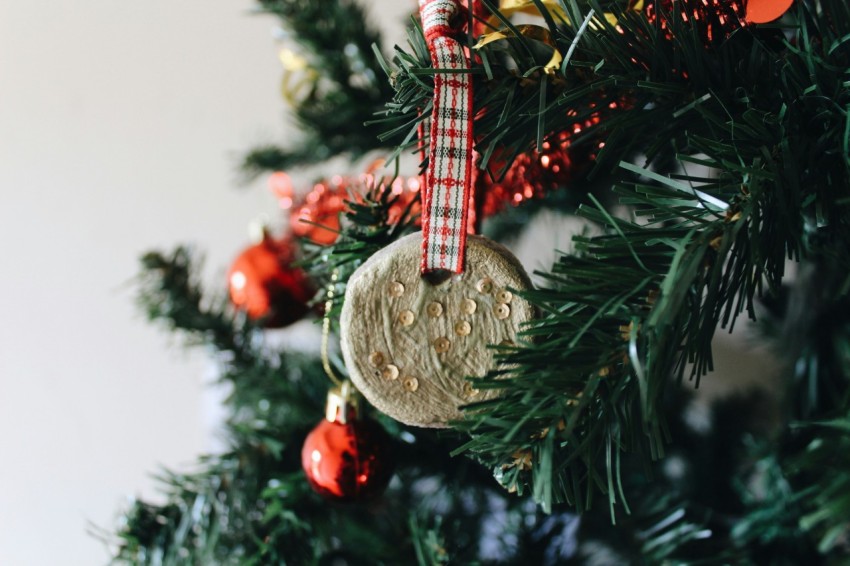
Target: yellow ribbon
pixel 510 7
pixel 536 33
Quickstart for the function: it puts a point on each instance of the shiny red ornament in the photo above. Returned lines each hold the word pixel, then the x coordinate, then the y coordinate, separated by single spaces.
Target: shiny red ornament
pixel 763 11
pixel 347 459
pixel 281 187
pixel 263 282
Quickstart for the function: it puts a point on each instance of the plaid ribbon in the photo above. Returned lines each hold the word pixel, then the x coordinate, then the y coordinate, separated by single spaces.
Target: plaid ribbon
pixel 447 186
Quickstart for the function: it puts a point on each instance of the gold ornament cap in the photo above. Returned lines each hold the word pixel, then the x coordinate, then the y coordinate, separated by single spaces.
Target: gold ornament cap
pixel 343 402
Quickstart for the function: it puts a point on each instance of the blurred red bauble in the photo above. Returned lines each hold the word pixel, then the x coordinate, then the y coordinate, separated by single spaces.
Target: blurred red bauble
pixel 281 187
pixel 347 459
pixel 263 283
pixel 317 219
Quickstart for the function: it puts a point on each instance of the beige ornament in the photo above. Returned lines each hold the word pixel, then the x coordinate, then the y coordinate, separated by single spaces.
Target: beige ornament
pixel 409 344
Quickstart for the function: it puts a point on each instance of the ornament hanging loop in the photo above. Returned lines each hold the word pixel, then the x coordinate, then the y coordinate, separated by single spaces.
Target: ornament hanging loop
pixel 445 18
pixel 437 277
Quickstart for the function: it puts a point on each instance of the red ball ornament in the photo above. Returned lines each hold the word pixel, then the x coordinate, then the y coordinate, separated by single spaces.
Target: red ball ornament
pixel 281 187
pixel 263 282
pixel 763 11
pixel 347 457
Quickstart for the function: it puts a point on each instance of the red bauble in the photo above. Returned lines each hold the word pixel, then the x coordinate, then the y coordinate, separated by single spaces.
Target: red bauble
pixel 763 11
pixel 347 461
pixel 263 282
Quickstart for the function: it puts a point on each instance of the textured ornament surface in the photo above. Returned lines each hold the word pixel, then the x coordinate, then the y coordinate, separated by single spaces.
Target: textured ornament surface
pixel 409 344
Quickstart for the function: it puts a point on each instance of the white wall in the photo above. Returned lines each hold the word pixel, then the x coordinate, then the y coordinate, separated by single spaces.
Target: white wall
pixel 120 127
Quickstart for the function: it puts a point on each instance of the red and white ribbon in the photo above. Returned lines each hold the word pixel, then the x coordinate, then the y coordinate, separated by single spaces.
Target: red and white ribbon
pixel 447 186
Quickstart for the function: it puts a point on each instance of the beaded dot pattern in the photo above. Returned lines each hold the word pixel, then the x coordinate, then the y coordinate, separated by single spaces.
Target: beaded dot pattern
pixel 409 344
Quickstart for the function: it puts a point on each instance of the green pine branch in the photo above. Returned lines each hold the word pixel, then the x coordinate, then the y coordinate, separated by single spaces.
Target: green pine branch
pixel 641 303
pixel 170 293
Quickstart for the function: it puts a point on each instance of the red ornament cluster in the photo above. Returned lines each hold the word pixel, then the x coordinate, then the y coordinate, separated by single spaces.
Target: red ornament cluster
pixel 716 19
pixel 318 217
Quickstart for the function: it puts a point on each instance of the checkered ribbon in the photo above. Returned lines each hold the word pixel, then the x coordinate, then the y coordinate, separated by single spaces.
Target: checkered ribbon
pixel 446 189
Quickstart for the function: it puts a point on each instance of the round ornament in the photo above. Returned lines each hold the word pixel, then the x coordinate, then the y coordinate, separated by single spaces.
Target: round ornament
pixel 763 11
pixel 409 344
pixel 263 282
pixel 347 457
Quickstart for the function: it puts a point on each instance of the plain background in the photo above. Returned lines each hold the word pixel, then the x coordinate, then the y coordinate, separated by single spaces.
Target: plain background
pixel 121 124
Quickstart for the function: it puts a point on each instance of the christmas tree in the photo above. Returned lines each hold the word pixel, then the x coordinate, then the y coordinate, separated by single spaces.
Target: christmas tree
pixel 705 144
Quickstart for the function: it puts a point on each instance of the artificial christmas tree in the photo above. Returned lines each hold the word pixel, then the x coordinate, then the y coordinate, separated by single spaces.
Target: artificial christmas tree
pixel 709 152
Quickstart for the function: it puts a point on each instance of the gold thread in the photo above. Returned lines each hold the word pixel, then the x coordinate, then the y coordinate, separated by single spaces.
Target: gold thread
pixel 326 329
